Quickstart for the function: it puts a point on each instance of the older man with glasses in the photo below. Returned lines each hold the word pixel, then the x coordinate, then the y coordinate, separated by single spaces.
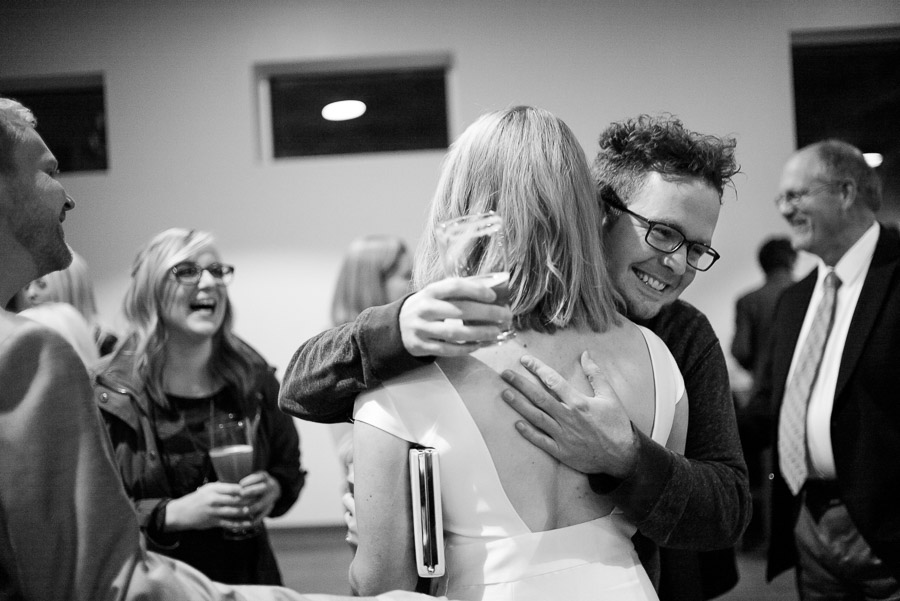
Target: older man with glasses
pixel 671 181
pixel 832 376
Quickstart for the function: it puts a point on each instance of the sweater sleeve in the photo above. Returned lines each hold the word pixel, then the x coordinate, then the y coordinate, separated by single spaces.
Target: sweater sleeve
pixel 328 371
pixel 701 500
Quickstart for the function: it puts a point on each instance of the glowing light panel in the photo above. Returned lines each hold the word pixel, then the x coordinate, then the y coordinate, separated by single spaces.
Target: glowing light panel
pixel 873 159
pixel 343 110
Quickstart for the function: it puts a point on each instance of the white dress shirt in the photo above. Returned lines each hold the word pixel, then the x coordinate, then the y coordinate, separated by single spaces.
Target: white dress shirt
pixel 851 269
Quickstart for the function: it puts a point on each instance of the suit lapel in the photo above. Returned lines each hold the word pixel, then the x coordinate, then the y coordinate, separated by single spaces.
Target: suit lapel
pixel 875 288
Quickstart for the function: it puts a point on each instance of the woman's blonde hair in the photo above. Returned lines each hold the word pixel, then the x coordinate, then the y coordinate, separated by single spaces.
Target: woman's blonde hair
pixel 73 285
pixel 369 261
pixel 526 164
pixel 152 288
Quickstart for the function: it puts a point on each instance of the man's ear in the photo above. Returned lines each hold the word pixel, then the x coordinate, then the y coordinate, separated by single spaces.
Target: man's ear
pixel 849 192
pixel 610 216
pixel 609 219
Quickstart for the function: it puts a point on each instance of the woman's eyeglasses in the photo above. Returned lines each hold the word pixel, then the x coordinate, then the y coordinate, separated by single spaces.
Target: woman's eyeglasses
pixel 665 238
pixel 190 272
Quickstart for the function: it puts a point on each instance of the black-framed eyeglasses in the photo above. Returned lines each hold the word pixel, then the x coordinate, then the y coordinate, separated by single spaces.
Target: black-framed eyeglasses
pixel 793 197
pixel 666 238
pixel 190 272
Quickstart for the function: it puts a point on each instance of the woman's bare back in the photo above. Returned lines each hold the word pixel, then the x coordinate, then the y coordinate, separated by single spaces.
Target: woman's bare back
pixel 545 493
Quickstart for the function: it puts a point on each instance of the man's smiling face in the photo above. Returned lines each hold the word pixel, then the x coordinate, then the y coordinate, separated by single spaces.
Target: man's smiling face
pixel 646 278
pixel 35 205
pixel 816 216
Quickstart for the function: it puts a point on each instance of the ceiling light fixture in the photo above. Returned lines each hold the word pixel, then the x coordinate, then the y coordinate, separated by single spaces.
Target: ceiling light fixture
pixel 873 159
pixel 343 110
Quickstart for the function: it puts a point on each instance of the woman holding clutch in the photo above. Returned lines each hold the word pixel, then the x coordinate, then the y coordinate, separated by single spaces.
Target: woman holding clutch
pixel 518 525
pixel 179 369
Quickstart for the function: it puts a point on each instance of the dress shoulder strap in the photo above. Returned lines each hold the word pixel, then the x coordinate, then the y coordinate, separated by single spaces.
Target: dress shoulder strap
pixel 668 383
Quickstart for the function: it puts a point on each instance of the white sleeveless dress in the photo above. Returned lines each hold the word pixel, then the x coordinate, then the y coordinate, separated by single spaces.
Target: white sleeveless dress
pixel 490 553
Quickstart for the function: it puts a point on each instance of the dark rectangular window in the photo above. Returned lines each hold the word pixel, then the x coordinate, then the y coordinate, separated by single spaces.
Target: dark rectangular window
pixel 406 109
pixel 71 116
pixel 848 91
pixel 847 86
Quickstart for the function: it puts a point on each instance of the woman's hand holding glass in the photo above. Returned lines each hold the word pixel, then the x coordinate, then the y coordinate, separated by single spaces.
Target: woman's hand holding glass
pixel 213 505
pixel 231 452
pixel 260 491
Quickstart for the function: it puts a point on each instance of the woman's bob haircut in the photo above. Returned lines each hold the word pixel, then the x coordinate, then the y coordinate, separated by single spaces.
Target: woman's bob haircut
pixel 526 164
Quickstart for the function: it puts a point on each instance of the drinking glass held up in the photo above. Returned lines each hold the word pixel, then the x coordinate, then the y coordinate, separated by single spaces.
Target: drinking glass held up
pixel 475 246
pixel 231 452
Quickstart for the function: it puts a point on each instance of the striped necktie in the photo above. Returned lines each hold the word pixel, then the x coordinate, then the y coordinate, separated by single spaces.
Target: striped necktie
pixel 792 423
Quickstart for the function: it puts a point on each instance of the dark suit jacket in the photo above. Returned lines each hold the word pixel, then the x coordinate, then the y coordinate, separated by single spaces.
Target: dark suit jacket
pixel 753 322
pixel 865 420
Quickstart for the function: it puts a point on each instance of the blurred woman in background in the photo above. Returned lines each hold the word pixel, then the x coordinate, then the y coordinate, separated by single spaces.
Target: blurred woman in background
pixel 71 285
pixel 178 370
pixel 70 324
pixel 376 271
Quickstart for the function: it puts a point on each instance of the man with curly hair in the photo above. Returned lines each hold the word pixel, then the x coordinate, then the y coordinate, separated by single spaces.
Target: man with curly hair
pixel 662 186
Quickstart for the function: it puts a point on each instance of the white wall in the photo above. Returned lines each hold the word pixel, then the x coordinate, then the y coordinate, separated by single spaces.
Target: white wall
pixel 182 133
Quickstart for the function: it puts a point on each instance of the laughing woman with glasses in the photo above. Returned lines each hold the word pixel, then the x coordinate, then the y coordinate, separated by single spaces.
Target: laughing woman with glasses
pixel 179 368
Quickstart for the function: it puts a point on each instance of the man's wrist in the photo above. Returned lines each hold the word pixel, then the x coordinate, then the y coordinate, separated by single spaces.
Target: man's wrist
pixel 382 344
pixel 605 483
pixel 630 454
pixel 638 494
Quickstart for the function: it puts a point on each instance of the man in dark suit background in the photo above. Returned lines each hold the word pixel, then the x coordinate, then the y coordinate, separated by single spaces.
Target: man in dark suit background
pixel 754 310
pixel 752 334
pixel 836 512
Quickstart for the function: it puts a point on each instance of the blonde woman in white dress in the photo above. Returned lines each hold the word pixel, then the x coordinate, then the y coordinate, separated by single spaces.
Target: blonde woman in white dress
pixel 518 524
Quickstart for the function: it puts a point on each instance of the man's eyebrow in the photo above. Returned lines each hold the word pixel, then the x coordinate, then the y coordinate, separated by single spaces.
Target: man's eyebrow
pixel 668 222
pixel 680 229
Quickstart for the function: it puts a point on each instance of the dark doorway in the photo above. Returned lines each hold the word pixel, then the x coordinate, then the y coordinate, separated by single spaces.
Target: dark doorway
pixel 847 86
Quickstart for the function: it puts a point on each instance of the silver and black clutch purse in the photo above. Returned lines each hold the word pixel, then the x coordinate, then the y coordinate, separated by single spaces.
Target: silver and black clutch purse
pixel 428 527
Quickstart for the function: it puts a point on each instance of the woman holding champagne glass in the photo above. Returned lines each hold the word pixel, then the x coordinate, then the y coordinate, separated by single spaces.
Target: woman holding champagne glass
pixel 179 381
pixel 518 525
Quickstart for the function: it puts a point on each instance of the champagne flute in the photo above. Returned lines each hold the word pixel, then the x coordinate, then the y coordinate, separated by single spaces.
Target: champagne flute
pixel 231 452
pixel 475 246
